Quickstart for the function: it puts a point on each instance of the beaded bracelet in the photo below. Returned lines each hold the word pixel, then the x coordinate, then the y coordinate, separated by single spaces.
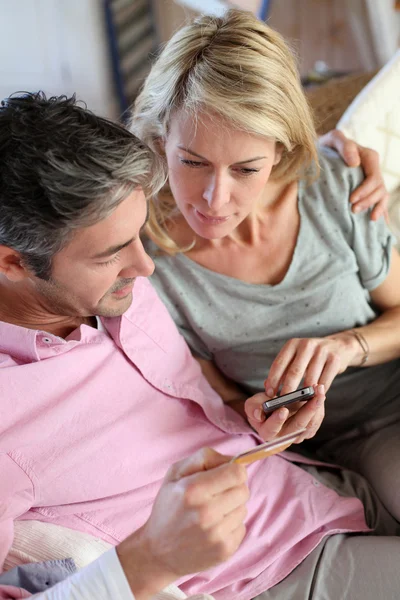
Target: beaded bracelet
pixel 364 345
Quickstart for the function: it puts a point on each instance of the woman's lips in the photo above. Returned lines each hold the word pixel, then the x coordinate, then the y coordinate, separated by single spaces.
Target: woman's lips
pixel 210 220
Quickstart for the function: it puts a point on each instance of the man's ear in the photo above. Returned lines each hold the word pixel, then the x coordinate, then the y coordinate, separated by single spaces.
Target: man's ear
pixel 11 264
pixel 160 145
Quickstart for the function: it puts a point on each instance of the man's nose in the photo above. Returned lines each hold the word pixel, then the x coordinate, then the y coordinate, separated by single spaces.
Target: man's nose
pixel 140 263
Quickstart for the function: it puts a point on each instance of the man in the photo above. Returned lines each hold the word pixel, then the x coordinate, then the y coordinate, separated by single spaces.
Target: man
pixel 99 393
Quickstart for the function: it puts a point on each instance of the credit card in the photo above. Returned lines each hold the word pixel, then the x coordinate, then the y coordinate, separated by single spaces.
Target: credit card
pixel 267 449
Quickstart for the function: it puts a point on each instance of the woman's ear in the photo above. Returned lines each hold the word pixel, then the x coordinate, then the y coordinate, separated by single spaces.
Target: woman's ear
pixel 11 264
pixel 278 153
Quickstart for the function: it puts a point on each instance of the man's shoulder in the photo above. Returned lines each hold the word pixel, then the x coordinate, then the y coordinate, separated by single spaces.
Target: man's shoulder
pixel 145 300
pixel 148 313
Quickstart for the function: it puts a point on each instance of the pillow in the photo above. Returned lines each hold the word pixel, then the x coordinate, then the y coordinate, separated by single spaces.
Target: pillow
pixel 35 541
pixel 373 119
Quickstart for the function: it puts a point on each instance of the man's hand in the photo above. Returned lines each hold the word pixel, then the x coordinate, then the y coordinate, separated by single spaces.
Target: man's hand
pixel 308 415
pixel 196 522
pixel 372 191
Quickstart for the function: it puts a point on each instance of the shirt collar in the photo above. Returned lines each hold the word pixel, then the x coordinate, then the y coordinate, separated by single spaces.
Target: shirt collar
pixel 30 345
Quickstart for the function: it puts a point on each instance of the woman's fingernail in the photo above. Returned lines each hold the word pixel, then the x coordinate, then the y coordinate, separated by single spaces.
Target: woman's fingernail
pixel 270 392
pixel 357 208
pixel 257 414
pixel 321 388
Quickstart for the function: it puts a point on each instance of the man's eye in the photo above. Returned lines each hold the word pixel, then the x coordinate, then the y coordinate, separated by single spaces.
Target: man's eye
pixel 109 262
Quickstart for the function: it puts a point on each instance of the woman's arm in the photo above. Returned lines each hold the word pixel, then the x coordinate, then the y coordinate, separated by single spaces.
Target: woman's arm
pixel 321 359
pixel 383 334
pixel 229 391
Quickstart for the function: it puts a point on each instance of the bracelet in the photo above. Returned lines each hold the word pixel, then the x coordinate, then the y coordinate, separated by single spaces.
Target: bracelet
pixel 364 345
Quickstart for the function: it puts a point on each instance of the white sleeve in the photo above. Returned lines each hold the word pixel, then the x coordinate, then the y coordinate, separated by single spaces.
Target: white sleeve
pixel 103 579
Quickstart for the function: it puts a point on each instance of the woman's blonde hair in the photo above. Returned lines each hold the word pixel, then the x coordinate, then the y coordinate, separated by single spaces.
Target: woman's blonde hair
pixel 236 67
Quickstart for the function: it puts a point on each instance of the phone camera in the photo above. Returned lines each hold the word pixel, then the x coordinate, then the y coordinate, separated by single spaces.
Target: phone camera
pixel 302 392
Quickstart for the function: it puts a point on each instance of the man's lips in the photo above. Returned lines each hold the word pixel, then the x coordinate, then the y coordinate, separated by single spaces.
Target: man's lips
pixel 124 291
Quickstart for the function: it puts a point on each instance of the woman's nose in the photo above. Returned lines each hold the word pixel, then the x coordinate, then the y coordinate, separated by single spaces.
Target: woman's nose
pixel 217 193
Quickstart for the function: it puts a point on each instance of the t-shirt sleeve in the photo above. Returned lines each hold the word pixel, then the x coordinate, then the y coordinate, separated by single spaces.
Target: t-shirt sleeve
pixel 371 241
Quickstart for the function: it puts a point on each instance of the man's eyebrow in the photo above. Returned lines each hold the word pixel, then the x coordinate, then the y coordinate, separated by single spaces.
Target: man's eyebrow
pixel 242 162
pixel 114 249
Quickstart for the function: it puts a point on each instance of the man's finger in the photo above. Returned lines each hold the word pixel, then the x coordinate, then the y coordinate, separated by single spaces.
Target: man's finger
pixel 203 460
pixel 369 160
pixel 215 481
pixel 226 502
pixel 366 189
pixel 347 149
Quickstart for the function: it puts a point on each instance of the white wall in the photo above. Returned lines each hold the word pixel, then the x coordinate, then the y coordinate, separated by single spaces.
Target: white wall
pixel 59 47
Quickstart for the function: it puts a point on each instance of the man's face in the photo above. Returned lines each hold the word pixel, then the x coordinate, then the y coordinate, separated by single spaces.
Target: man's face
pixel 95 273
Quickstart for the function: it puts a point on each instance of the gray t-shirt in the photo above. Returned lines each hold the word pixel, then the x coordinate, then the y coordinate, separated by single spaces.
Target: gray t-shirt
pixel 339 257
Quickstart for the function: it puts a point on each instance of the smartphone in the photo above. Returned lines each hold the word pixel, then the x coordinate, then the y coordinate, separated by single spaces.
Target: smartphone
pixel 267 449
pixel 300 395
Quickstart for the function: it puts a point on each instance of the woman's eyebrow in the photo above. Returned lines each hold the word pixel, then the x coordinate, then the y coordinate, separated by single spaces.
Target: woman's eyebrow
pixel 191 152
pixel 242 162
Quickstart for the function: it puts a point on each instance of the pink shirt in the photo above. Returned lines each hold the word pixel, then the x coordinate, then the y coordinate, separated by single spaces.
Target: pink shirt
pixel 90 424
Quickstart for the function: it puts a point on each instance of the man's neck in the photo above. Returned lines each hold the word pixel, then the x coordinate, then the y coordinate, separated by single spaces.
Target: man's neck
pixel 18 307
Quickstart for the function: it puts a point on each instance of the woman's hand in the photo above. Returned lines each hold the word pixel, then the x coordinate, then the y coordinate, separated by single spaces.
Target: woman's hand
pixel 372 191
pixel 308 415
pixel 312 360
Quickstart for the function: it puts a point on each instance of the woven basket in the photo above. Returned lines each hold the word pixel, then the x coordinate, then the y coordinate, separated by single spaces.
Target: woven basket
pixel 330 100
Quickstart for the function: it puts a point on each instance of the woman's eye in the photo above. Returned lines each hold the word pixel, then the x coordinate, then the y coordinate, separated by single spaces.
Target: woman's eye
pixel 191 163
pixel 248 171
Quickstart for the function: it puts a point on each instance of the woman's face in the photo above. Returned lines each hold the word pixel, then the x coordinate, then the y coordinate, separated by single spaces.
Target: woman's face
pixel 217 174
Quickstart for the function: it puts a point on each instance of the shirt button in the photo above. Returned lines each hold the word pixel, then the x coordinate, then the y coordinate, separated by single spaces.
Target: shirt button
pixel 47 340
pixel 316 483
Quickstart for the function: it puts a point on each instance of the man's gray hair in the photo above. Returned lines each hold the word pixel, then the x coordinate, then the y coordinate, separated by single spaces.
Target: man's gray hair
pixel 63 168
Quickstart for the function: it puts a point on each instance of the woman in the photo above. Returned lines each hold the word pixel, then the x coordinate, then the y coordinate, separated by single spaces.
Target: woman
pixel 265 269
